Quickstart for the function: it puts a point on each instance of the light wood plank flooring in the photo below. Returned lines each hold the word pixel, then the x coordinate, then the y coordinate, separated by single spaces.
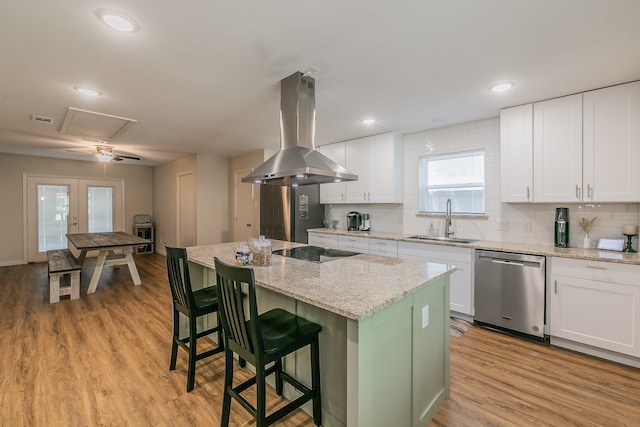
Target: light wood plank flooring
pixel 103 360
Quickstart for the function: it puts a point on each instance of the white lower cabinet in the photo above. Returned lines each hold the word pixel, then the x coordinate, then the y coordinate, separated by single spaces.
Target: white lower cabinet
pixel 596 303
pixel 461 286
pixel 383 247
pixel 352 243
pixel 323 240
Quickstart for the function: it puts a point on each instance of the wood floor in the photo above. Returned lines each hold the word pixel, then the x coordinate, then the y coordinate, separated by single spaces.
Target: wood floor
pixel 103 360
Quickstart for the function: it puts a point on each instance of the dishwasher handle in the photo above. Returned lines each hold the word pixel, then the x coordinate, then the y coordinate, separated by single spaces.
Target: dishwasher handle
pixel 508 262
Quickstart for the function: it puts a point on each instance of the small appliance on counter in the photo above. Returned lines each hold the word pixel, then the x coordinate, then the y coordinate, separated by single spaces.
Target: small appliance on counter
pixel 561 237
pixel 354 221
pixel 366 223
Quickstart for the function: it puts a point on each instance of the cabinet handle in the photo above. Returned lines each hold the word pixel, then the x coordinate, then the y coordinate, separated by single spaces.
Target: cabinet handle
pixel 555 286
pixel 364 196
pixel 577 191
pixel 589 191
pixel 368 196
pixel 596 268
pixel 528 193
pixel 342 196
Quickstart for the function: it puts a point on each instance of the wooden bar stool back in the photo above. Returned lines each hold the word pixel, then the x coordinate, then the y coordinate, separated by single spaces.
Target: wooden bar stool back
pixel 261 340
pixel 192 304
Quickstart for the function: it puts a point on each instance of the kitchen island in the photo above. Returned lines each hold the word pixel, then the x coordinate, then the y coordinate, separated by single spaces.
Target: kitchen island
pixel 385 338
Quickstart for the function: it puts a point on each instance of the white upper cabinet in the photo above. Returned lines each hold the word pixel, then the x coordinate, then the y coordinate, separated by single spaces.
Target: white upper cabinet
pixel 557 150
pixel 585 147
pixel 516 154
pixel 611 144
pixel 377 160
pixel 336 192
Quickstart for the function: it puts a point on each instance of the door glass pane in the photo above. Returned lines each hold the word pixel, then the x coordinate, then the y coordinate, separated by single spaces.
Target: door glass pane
pixel 100 209
pixel 53 209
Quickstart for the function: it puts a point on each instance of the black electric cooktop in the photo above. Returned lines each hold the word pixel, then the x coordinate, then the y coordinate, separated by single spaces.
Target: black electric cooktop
pixel 314 253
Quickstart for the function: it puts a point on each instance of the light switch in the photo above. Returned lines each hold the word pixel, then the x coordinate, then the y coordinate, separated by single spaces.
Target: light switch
pixel 425 316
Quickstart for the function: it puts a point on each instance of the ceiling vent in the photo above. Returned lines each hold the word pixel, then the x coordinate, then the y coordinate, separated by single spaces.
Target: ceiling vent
pixel 100 126
pixel 43 119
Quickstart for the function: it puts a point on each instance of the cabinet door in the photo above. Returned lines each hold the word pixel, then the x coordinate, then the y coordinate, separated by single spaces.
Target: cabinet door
pixel 462 280
pixel 557 150
pixel 358 153
pixel 612 144
pixel 333 193
pixel 385 169
pixel 516 154
pixel 601 314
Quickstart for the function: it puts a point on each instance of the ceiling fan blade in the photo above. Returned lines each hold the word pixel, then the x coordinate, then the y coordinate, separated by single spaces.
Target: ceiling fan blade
pixel 122 157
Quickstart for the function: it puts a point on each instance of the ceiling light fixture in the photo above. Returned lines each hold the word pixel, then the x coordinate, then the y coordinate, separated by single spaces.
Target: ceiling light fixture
pixel 86 91
pixel 368 121
pixel 104 157
pixel 117 21
pixel 502 87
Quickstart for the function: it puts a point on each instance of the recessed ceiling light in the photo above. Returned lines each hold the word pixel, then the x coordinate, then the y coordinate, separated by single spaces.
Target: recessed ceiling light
pixel 502 87
pixel 118 21
pixel 86 91
pixel 368 121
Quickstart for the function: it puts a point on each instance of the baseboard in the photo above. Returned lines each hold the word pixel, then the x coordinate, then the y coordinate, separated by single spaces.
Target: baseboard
pixel 10 263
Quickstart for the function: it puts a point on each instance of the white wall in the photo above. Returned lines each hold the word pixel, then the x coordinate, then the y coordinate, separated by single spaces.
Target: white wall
pixel 524 222
pixel 212 198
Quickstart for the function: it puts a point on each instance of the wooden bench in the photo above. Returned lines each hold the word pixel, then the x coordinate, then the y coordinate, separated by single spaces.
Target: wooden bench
pixel 61 263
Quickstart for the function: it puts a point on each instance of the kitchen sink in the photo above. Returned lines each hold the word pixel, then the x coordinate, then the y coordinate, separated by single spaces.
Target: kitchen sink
pixel 443 239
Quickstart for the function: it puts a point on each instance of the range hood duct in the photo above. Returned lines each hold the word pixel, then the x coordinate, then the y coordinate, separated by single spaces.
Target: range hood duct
pixel 297 162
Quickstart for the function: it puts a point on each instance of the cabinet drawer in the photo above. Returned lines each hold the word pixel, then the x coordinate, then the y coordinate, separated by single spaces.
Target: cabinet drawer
pixel 323 240
pixel 358 244
pixel 383 247
pixel 596 270
pixel 450 254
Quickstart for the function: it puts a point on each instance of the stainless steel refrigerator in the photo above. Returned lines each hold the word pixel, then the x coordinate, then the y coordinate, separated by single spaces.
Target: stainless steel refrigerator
pixel 286 213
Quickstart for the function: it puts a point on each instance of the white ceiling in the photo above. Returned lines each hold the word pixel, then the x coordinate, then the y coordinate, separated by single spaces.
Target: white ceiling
pixel 203 76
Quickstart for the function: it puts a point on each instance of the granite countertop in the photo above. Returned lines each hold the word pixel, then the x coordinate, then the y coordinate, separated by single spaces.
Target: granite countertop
pixel 575 253
pixel 353 287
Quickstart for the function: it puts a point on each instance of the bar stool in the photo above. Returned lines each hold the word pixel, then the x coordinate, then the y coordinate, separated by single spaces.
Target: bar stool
pixel 192 304
pixel 261 340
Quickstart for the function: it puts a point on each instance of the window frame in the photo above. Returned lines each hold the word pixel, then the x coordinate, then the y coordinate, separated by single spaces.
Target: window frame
pixel 424 187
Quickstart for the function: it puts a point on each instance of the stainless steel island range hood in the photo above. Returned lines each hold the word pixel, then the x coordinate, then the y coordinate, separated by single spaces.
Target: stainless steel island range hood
pixel 297 162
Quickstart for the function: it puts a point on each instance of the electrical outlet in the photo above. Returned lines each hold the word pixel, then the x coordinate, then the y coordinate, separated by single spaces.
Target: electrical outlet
pixel 425 316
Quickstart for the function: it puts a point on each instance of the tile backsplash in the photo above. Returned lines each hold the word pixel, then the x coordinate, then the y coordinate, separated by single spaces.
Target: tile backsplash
pixel 513 222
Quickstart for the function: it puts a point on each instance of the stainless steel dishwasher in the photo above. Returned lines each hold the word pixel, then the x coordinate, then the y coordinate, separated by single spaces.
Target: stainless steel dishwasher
pixel 510 292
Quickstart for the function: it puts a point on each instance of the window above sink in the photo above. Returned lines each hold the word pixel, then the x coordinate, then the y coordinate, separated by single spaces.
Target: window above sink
pixel 456 176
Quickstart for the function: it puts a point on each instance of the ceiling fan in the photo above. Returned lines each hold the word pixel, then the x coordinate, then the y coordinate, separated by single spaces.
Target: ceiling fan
pixel 106 154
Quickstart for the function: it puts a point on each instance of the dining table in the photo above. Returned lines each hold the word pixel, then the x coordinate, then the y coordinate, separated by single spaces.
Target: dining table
pixel 106 243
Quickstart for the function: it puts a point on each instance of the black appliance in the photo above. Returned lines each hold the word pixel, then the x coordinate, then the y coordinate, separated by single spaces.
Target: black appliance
pixel 354 221
pixel 286 213
pixel 314 253
pixel 561 237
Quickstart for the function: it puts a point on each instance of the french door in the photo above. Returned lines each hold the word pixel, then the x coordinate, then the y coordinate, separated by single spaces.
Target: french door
pixel 57 206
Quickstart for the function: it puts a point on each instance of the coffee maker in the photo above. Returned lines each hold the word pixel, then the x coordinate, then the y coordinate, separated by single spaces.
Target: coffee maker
pixel 366 223
pixel 354 221
pixel 561 237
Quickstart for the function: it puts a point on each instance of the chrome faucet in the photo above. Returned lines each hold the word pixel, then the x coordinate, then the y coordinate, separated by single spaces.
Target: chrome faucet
pixel 447 220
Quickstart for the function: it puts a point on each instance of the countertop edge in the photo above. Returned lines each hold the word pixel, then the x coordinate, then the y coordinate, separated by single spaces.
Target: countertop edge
pixel 515 247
